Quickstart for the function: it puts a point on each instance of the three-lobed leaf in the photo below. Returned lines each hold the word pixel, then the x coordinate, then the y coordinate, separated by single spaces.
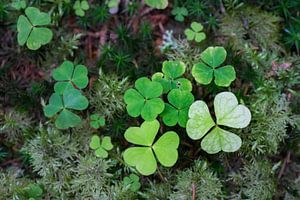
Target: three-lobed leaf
pixel 194 33
pixel 67 75
pixel 228 113
pixel 209 68
pixel 144 100
pixel 30 30
pixel 97 121
pixel 101 148
pixel 142 157
pixel 180 13
pixel 170 78
pixel 177 110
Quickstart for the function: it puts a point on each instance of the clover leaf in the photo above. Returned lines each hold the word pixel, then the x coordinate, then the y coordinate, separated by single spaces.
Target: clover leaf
pixel 133 182
pixel 177 110
pixel 61 105
pixel 142 157
pixel 144 100
pixel 195 32
pixel 180 13
pixel 30 30
pixel 212 58
pixel 159 4
pixel 101 148
pixel 18 4
pixel 169 79
pixel 68 76
pixel 228 113
pixel 97 121
pixel 80 7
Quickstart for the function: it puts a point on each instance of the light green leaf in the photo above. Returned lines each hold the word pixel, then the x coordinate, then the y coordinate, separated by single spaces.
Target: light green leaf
pixel 60 87
pixel 142 158
pixel 202 73
pixel 54 106
pixel 219 139
pixel 24 28
pixel 194 33
pixel 190 34
pixel 39 37
pixel 101 153
pixel 148 88
pixel 67 119
pixel 106 143
pixel 173 69
pixel 36 17
pixel 64 72
pixel 95 142
pixel 75 100
pixel 135 102
pixel 159 4
pixel 152 109
pixel 180 99
pixel 166 148
pixel 224 75
pixel 229 113
pixel 214 56
pixel 170 115
pixel 80 76
pixel 200 121
pixel 143 135
pixel 197 27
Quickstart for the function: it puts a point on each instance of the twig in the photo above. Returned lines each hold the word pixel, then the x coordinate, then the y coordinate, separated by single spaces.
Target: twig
pixel 193 191
pixel 286 161
pixel 160 175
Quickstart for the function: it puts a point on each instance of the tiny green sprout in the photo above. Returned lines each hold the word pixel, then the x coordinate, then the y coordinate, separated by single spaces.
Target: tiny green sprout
pixel 208 67
pixel 228 113
pixel 142 157
pixel 18 4
pixel 32 192
pixel 159 4
pixel 180 13
pixel 61 105
pixel 133 182
pixel 101 148
pixel 177 110
pixel 170 78
pixel 195 32
pixel 30 30
pixel 144 100
pixel 68 77
pixel 97 121
pixel 80 7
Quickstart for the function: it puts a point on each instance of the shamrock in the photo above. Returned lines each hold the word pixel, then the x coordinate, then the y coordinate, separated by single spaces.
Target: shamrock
pixel 212 58
pixel 133 182
pixel 18 4
pixel 177 110
pixel 159 4
pixel 228 113
pixel 60 104
pixel 97 121
pixel 68 76
pixel 29 30
pixel 195 33
pixel 144 100
pixel 142 157
pixel 180 13
pixel 169 79
pixel 101 147
pixel 80 7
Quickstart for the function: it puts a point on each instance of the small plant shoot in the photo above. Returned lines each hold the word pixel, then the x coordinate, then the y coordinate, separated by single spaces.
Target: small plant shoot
pixel 145 99
pixel 180 13
pixel 133 182
pixel 195 32
pixel 143 157
pixel 80 7
pixel 31 30
pixel 228 113
pixel 97 121
pixel 101 147
pixel 170 78
pixel 209 68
